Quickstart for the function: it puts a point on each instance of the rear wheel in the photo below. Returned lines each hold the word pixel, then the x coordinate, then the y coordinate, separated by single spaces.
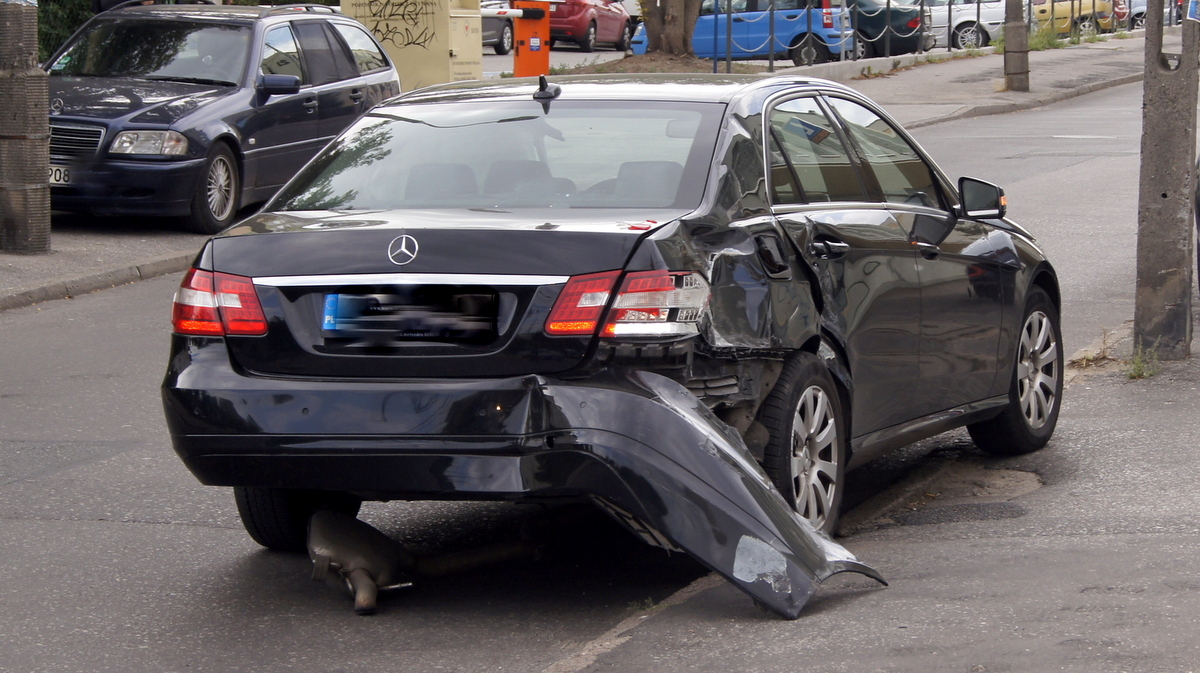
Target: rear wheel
pixel 1139 21
pixel 809 51
pixel 587 43
pixel 869 50
pixel 806 454
pixel 214 202
pixel 1087 26
pixel 969 36
pixel 622 43
pixel 505 43
pixel 277 518
pixel 1035 393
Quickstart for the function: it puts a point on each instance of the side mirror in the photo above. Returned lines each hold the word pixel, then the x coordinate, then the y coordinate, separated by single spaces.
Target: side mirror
pixel 279 85
pixel 981 199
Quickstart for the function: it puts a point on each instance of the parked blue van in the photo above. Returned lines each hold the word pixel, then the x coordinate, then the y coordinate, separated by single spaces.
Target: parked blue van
pixel 803 33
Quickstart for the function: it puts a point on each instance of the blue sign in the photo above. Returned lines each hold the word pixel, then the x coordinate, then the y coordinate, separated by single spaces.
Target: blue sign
pixel 535 43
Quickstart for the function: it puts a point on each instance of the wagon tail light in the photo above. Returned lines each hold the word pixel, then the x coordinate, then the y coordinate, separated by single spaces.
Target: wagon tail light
pixel 648 304
pixel 827 18
pixel 217 304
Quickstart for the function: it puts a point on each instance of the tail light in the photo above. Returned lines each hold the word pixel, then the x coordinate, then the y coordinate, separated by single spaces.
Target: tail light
pixel 827 18
pixel 579 306
pixel 914 22
pixel 649 304
pixel 216 304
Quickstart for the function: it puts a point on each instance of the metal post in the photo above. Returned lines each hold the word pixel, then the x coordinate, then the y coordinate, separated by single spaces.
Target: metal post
pixel 716 18
pixel 24 133
pixel 771 43
pixel 1162 318
pixel 729 36
pixel 887 35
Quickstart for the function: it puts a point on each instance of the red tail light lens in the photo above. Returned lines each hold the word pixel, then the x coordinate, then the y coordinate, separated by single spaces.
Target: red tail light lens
pixel 657 303
pixel 827 18
pixel 579 306
pixel 216 304
pixel 915 22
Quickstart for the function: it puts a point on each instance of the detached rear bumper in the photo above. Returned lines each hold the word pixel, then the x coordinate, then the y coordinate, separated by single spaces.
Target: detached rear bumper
pixel 639 445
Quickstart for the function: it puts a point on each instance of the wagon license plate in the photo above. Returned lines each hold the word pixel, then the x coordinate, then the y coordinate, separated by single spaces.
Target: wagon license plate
pixel 60 175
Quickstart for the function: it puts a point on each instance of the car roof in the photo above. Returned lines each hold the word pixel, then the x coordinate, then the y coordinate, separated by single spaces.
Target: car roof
pixel 713 88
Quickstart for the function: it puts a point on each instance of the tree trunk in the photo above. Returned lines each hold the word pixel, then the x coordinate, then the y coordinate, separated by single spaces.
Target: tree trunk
pixel 669 25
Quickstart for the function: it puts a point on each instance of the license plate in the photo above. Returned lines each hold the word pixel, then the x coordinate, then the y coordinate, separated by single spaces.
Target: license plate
pixel 429 313
pixel 60 175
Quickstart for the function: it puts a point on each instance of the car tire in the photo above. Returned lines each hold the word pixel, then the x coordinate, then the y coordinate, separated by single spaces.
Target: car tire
pixel 215 199
pixel 805 456
pixel 1035 392
pixel 587 43
pixel 869 50
pixel 1139 21
pixel 1087 26
pixel 505 42
pixel 810 50
pixel 622 43
pixel 969 36
pixel 277 518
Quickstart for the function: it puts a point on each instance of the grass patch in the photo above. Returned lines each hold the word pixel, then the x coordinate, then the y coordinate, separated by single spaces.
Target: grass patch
pixel 1100 357
pixel 1143 363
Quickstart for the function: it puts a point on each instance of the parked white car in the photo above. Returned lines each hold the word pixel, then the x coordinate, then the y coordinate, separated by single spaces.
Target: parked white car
pixel 965 24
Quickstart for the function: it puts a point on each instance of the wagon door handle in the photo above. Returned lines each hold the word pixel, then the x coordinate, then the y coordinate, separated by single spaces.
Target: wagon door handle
pixel 928 250
pixel 356 95
pixel 311 104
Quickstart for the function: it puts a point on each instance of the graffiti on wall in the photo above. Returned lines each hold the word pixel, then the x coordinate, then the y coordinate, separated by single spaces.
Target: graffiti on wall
pixel 404 23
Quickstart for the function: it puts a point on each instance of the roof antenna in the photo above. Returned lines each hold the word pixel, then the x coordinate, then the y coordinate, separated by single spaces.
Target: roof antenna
pixel 546 92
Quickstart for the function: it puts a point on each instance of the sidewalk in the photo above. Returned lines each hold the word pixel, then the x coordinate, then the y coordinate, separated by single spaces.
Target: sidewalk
pixel 90 254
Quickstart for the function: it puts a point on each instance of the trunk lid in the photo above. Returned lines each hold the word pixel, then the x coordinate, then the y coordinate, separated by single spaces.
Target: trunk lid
pixel 385 296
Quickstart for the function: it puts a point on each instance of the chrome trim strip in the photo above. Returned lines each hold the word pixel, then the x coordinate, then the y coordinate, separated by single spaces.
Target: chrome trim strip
pixel 409 279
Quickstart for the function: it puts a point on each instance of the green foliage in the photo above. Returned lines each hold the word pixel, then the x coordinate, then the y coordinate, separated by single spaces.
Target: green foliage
pixel 1044 37
pixel 1143 363
pixel 57 19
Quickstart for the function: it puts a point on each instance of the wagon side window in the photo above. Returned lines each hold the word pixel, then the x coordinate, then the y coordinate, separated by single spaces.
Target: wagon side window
pixel 809 163
pixel 281 56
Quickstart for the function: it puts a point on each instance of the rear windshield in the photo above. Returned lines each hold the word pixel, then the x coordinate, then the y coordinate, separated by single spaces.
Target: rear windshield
pixel 185 51
pixel 579 154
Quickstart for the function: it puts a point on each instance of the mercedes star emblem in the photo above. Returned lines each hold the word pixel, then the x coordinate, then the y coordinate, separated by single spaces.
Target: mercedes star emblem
pixel 56 106
pixel 402 250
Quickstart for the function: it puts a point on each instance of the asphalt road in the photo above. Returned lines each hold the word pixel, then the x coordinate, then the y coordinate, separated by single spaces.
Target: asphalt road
pixel 115 559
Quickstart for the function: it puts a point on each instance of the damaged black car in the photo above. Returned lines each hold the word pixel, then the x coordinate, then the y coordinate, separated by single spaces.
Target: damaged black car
pixel 695 302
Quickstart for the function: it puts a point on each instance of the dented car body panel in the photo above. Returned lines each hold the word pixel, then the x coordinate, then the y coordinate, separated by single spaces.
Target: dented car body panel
pixel 472 294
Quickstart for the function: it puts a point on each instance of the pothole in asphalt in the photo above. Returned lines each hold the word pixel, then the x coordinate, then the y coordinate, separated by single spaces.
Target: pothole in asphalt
pixel 953 491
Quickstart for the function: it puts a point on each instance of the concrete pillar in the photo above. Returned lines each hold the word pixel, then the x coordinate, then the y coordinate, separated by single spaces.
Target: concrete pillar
pixel 1016 46
pixel 24 133
pixel 1163 302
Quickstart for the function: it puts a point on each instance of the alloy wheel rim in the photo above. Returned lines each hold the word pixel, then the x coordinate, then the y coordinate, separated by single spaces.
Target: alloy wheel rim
pixel 814 456
pixel 1037 370
pixel 506 37
pixel 968 38
pixel 220 188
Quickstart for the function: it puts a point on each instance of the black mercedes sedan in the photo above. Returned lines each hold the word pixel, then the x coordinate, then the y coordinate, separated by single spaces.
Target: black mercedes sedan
pixel 194 110
pixel 695 301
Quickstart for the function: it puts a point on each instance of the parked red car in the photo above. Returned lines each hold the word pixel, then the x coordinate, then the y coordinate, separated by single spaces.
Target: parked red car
pixel 587 22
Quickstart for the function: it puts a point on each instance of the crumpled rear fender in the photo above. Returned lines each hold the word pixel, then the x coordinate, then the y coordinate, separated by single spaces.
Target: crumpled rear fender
pixel 685 480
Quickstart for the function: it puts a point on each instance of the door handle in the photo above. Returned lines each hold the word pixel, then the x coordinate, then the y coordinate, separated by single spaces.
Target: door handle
pixel 738 19
pixel 356 95
pixel 928 250
pixel 790 17
pixel 311 104
pixel 829 249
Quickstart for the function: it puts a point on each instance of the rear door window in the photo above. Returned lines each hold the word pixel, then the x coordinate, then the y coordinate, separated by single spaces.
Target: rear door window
pixel 367 55
pixel 809 163
pixel 319 54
